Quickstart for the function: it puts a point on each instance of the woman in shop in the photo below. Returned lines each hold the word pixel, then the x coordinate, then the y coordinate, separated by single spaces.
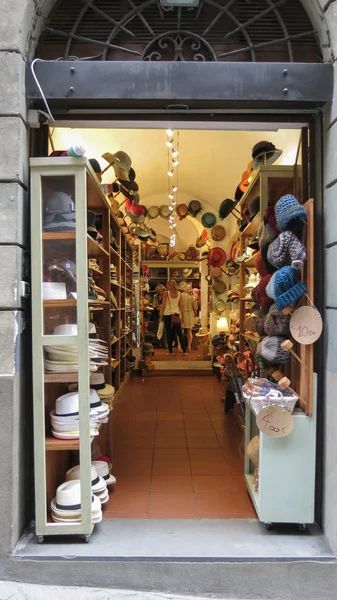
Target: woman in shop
pixel 173 311
pixel 190 306
pixel 160 290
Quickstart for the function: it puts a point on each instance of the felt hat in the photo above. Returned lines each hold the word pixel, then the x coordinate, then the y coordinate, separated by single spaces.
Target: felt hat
pixel 215 272
pixel 218 233
pixel 203 331
pixel 153 212
pixel 59 213
pixel 287 249
pixel 261 295
pixel 260 265
pixel 216 257
pixel 121 163
pixel 192 253
pixel 181 211
pixel 288 209
pixel 95 165
pixel 271 351
pixel 232 267
pixel 276 323
pixel 208 220
pixel 163 249
pixel 264 153
pixel 164 211
pixel 201 241
pixel 226 208
pixel 285 287
pixel 194 207
pixel 219 287
pixel 266 234
pixel 254 207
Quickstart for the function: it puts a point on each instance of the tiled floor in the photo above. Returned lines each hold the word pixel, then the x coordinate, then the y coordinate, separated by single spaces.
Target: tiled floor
pixel 162 354
pixel 176 454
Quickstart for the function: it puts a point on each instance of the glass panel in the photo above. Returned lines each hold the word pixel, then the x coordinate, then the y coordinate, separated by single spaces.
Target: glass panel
pixel 279 186
pixel 59 253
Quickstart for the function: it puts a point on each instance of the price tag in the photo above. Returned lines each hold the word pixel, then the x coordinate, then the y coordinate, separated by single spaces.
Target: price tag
pixel 275 421
pixel 306 325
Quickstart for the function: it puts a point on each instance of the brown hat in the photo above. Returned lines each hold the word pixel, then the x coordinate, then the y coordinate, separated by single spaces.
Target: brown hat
pixel 218 233
pixel 192 253
pixel 182 211
pixel 215 272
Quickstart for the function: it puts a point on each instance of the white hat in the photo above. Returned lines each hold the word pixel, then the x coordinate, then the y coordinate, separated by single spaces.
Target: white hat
pixel 97 382
pixel 67 501
pixel 187 272
pixel 252 281
pixel 202 332
pixel 102 469
pixel 66 329
pixel 98 484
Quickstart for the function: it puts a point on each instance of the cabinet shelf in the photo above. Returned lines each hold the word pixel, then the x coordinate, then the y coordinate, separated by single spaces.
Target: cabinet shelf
pixel 59 235
pixel 95 249
pixel 53 443
pixel 253 226
pixel 59 303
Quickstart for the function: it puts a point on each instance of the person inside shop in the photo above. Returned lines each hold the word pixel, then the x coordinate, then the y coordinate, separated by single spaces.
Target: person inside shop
pixel 160 290
pixel 172 311
pixel 190 307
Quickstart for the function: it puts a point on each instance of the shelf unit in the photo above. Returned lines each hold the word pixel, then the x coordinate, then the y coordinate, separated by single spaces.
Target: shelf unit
pixel 75 177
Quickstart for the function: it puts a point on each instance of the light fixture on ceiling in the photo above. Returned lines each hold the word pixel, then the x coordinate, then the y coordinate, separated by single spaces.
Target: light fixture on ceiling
pixel 174 189
pixel 171 197
pixel 175 153
pixel 170 173
pixel 172 152
pixel 169 143
pixel 175 163
pixel 169 133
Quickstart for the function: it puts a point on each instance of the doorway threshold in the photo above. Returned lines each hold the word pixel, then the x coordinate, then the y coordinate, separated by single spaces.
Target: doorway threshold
pixel 180 540
pixel 177 367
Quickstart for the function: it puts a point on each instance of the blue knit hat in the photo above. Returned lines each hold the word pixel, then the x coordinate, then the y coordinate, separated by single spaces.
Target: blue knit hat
pixel 285 287
pixel 287 209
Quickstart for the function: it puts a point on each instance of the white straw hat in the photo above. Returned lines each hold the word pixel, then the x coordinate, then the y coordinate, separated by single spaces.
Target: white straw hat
pixel 102 469
pixel 98 484
pixel 67 501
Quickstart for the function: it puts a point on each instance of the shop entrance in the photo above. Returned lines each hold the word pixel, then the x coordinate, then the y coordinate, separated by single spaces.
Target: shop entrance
pixel 176 437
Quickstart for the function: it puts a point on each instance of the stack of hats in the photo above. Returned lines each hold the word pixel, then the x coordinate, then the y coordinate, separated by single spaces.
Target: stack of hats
pixel 113 274
pixel 65 418
pixel 104 390
pixel 59 213
pixel 98 484
pixel 66 506
pixel 234 294
pixel 64 358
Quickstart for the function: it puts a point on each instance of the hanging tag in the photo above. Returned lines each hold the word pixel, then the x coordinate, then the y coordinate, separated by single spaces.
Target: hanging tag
pixel 275 421
pixel 306 325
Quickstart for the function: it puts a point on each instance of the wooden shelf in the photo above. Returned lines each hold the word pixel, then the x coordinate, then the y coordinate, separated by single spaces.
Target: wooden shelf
pixel 59 303
pixel 253 226
pixel 60 377
pixel 59 235
pixel 96 271
pixel 246 300
pixel 95 249
pixel 250 262
pixel 53 444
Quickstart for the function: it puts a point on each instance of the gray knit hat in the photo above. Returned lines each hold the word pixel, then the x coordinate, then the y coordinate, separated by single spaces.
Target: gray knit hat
pixel 269 349
pixel 266 234
pixel 276 323
pixel 287 250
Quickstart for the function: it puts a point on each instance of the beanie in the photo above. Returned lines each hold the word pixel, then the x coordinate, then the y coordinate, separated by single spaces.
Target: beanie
pixel 259 264
pixel 264 253
pixel 270 217
pixel 266 234
pixel 275 323
pixel 287 209
pixel 287 250
pixel 261 295
pixel 285 287
pixel 271 352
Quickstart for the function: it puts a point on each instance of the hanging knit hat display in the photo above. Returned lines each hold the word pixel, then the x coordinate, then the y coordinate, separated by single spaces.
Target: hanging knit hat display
pixel 260 265
pixel 276 323
pixel 261 295
pixel 288 209
pixel 287 250
pixel 285 288
pixel 271 352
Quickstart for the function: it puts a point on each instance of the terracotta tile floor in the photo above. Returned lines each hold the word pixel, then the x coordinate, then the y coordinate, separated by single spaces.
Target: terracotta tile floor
pixel 176 454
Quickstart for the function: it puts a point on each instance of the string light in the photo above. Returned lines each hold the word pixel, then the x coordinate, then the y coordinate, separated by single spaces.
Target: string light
pixel 175 163
pixel 172 144
pixel 175 153
pixel 170 173
pixel 169 133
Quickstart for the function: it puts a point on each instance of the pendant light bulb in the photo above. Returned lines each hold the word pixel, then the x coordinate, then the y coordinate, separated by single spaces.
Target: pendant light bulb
pixel 169 143
pixel 174 189
pixel 169 132
pixel 170 173
pixel 171 196
pixel 175 153
pixel 175 163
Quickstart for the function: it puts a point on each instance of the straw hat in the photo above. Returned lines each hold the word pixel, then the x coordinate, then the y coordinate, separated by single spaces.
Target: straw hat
pixel 219 287
pixel 182 211
pixel 153 212
pixel 253 449
pixel 219 306
pixel 164 211
pixel 203 331
pixel 216 257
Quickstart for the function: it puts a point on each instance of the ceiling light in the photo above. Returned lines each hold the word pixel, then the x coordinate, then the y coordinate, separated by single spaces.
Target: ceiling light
pixel 171 196
pixel 175 163
pixel 169 132
pixel 170 173
pixel 169 143
pixel 175 153
pixel 174 189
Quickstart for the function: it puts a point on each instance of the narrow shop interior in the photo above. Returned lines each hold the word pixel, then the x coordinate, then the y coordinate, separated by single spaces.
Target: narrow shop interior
pixel 187 224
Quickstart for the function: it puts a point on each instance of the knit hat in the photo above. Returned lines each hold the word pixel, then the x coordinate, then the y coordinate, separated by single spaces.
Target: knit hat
pixel 285 287
pixel 264 253
pixel 259 264
pixel 261 295
pixel 271 352
pixel 288 209
pixel 275 323
pixel 266 234
pixel 287 250
pixel 270 217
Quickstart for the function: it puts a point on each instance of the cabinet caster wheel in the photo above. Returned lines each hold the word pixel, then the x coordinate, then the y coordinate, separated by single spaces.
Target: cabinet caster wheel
pixel 302 527
pixel 87 538
pixel 268 526
pixel 40 539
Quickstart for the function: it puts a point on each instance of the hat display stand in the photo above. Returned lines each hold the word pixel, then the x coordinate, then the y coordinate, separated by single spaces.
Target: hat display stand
pixel 87 333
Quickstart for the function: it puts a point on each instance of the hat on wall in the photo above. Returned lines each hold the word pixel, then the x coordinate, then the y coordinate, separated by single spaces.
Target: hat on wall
pixel 288 209
pixel 271 351
pixel 192 253
pixel 121 163
pixel 201 241
pixel 218 233
pixel 285 288
pixel 219 287
pixel 164 211
pixel 194 207
pixel 264 153
pixel 182 211
pixel 153 212
pixel 215 272
pixel 219 306
pixel 216 257
pixel 187 272
pixel 102 469
pixel 287 249
pixel 226 207
pixel 208 220
pixel 203 331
